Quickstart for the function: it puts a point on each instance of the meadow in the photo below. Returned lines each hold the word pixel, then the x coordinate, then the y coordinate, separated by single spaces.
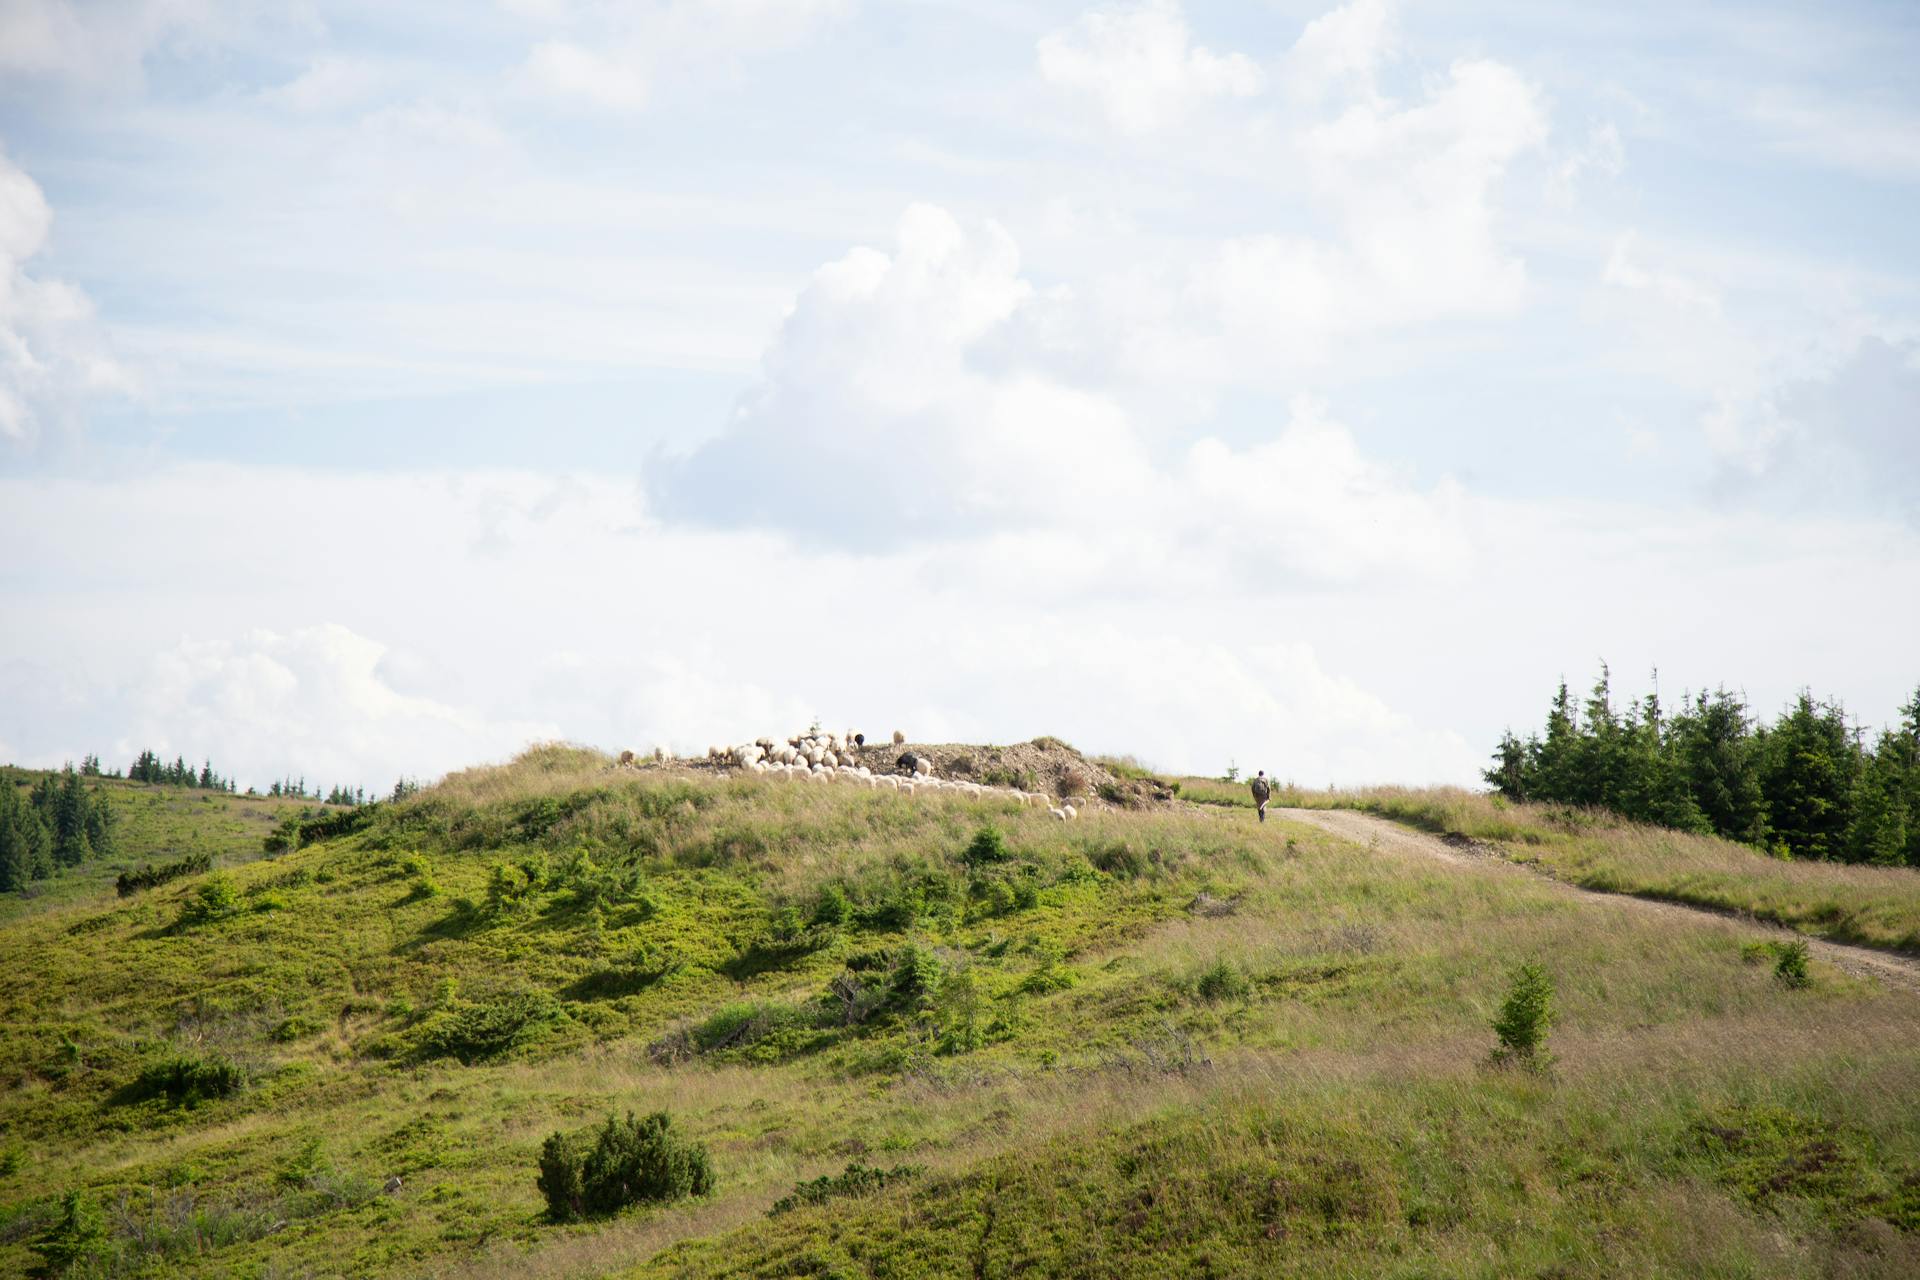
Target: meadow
pixel 1153 1041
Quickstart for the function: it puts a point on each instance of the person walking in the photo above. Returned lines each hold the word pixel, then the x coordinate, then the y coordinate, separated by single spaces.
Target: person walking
pixel 1262 792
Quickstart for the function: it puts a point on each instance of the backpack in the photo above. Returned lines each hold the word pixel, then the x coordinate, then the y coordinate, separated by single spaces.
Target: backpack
pixel 1261 790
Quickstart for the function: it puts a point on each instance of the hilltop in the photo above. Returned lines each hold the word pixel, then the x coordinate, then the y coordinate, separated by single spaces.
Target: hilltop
pixel 1161 1039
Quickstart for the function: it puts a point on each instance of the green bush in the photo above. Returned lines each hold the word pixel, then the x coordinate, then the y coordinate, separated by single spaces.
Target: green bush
pixel 188 1080
pixel 476 1030
pixel 150 876
pixel 987 846
pixel 833 909
pixel 1222 981
pixel 631 1161
pixel 1790 964
pixel 214 899
pixel 857 1180
pixel 1525 1015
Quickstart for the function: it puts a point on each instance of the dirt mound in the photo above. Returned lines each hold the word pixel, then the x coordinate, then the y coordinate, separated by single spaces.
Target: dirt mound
pixel 1046 765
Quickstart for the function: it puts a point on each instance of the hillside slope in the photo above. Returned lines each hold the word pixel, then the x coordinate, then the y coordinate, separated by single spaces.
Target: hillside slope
pixel 1148 1042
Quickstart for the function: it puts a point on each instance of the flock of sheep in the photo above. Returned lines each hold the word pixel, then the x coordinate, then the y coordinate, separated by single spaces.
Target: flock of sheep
pixel 836 757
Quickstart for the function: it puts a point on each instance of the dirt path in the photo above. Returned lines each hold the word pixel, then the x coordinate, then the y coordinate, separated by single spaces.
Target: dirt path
pixel 1366 829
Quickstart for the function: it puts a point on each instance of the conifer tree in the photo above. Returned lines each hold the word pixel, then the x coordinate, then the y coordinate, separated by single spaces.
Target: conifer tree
pixel 1807 773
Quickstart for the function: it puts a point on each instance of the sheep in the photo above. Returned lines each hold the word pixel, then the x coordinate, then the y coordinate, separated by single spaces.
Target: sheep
pixel 660 755
pixel 1069 811
pixel 923 767
pixel 899 738
pixel 1058 813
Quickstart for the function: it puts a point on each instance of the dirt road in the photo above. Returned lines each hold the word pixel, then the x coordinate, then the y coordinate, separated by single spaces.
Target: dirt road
pixel 1365 829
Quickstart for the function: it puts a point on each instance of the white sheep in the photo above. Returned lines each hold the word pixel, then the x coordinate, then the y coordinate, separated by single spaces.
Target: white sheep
pixel 1058 813
pixel 923 767
pixel 1069 811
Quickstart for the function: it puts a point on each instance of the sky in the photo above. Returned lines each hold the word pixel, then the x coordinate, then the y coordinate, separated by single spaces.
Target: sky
pixel 386 387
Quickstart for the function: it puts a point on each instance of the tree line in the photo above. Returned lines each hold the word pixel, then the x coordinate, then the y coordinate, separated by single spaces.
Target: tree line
pixel 1808 785
pixel 150 768
pixel 60 823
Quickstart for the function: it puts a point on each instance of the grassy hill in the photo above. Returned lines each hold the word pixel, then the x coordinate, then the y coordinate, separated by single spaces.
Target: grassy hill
pixel 1155 1041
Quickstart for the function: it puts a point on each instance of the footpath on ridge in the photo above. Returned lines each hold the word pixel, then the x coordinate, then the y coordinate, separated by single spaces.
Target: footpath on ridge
pixel 1366 829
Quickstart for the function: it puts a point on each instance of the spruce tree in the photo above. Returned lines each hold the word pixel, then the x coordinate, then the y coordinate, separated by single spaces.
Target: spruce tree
pixel 14 872
pixel 1808 774
pixel 1716 754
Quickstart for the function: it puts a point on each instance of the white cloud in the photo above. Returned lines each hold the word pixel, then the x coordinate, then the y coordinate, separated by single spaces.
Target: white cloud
pixel 1342 50
pixel 313 701
pixel 1141 66
pixel 1602 153
pixel 611 56
pixel 51 356
pixel 329 83
pixel 899 405
pixel 101 46
pixel 580 620
pixel 1866 138
pixel 1846 439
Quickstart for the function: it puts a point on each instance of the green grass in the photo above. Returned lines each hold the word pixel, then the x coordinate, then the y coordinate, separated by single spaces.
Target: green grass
pixel 1873 906
pixel 1164 1041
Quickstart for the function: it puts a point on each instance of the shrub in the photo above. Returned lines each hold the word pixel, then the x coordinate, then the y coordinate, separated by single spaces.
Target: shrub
pixel 987 846
pixel 833 909
pixel 631 1161
pixel 1790 964
pixel 1222 981
pixel 188 1080
pixel 1048 979
pixel 215 899
pixel 151 876
pixel 506 890
pixel 475 1030
pixel 857 1180
pixel 1525 1015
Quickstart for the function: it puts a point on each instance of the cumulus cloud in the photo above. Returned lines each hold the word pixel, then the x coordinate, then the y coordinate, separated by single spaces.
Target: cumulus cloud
pixel 611 55
pixel 1411 190
pixel 1342 50
pixel 895 408
pixel 1140 65
pixel 314 701
pixel 51 354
